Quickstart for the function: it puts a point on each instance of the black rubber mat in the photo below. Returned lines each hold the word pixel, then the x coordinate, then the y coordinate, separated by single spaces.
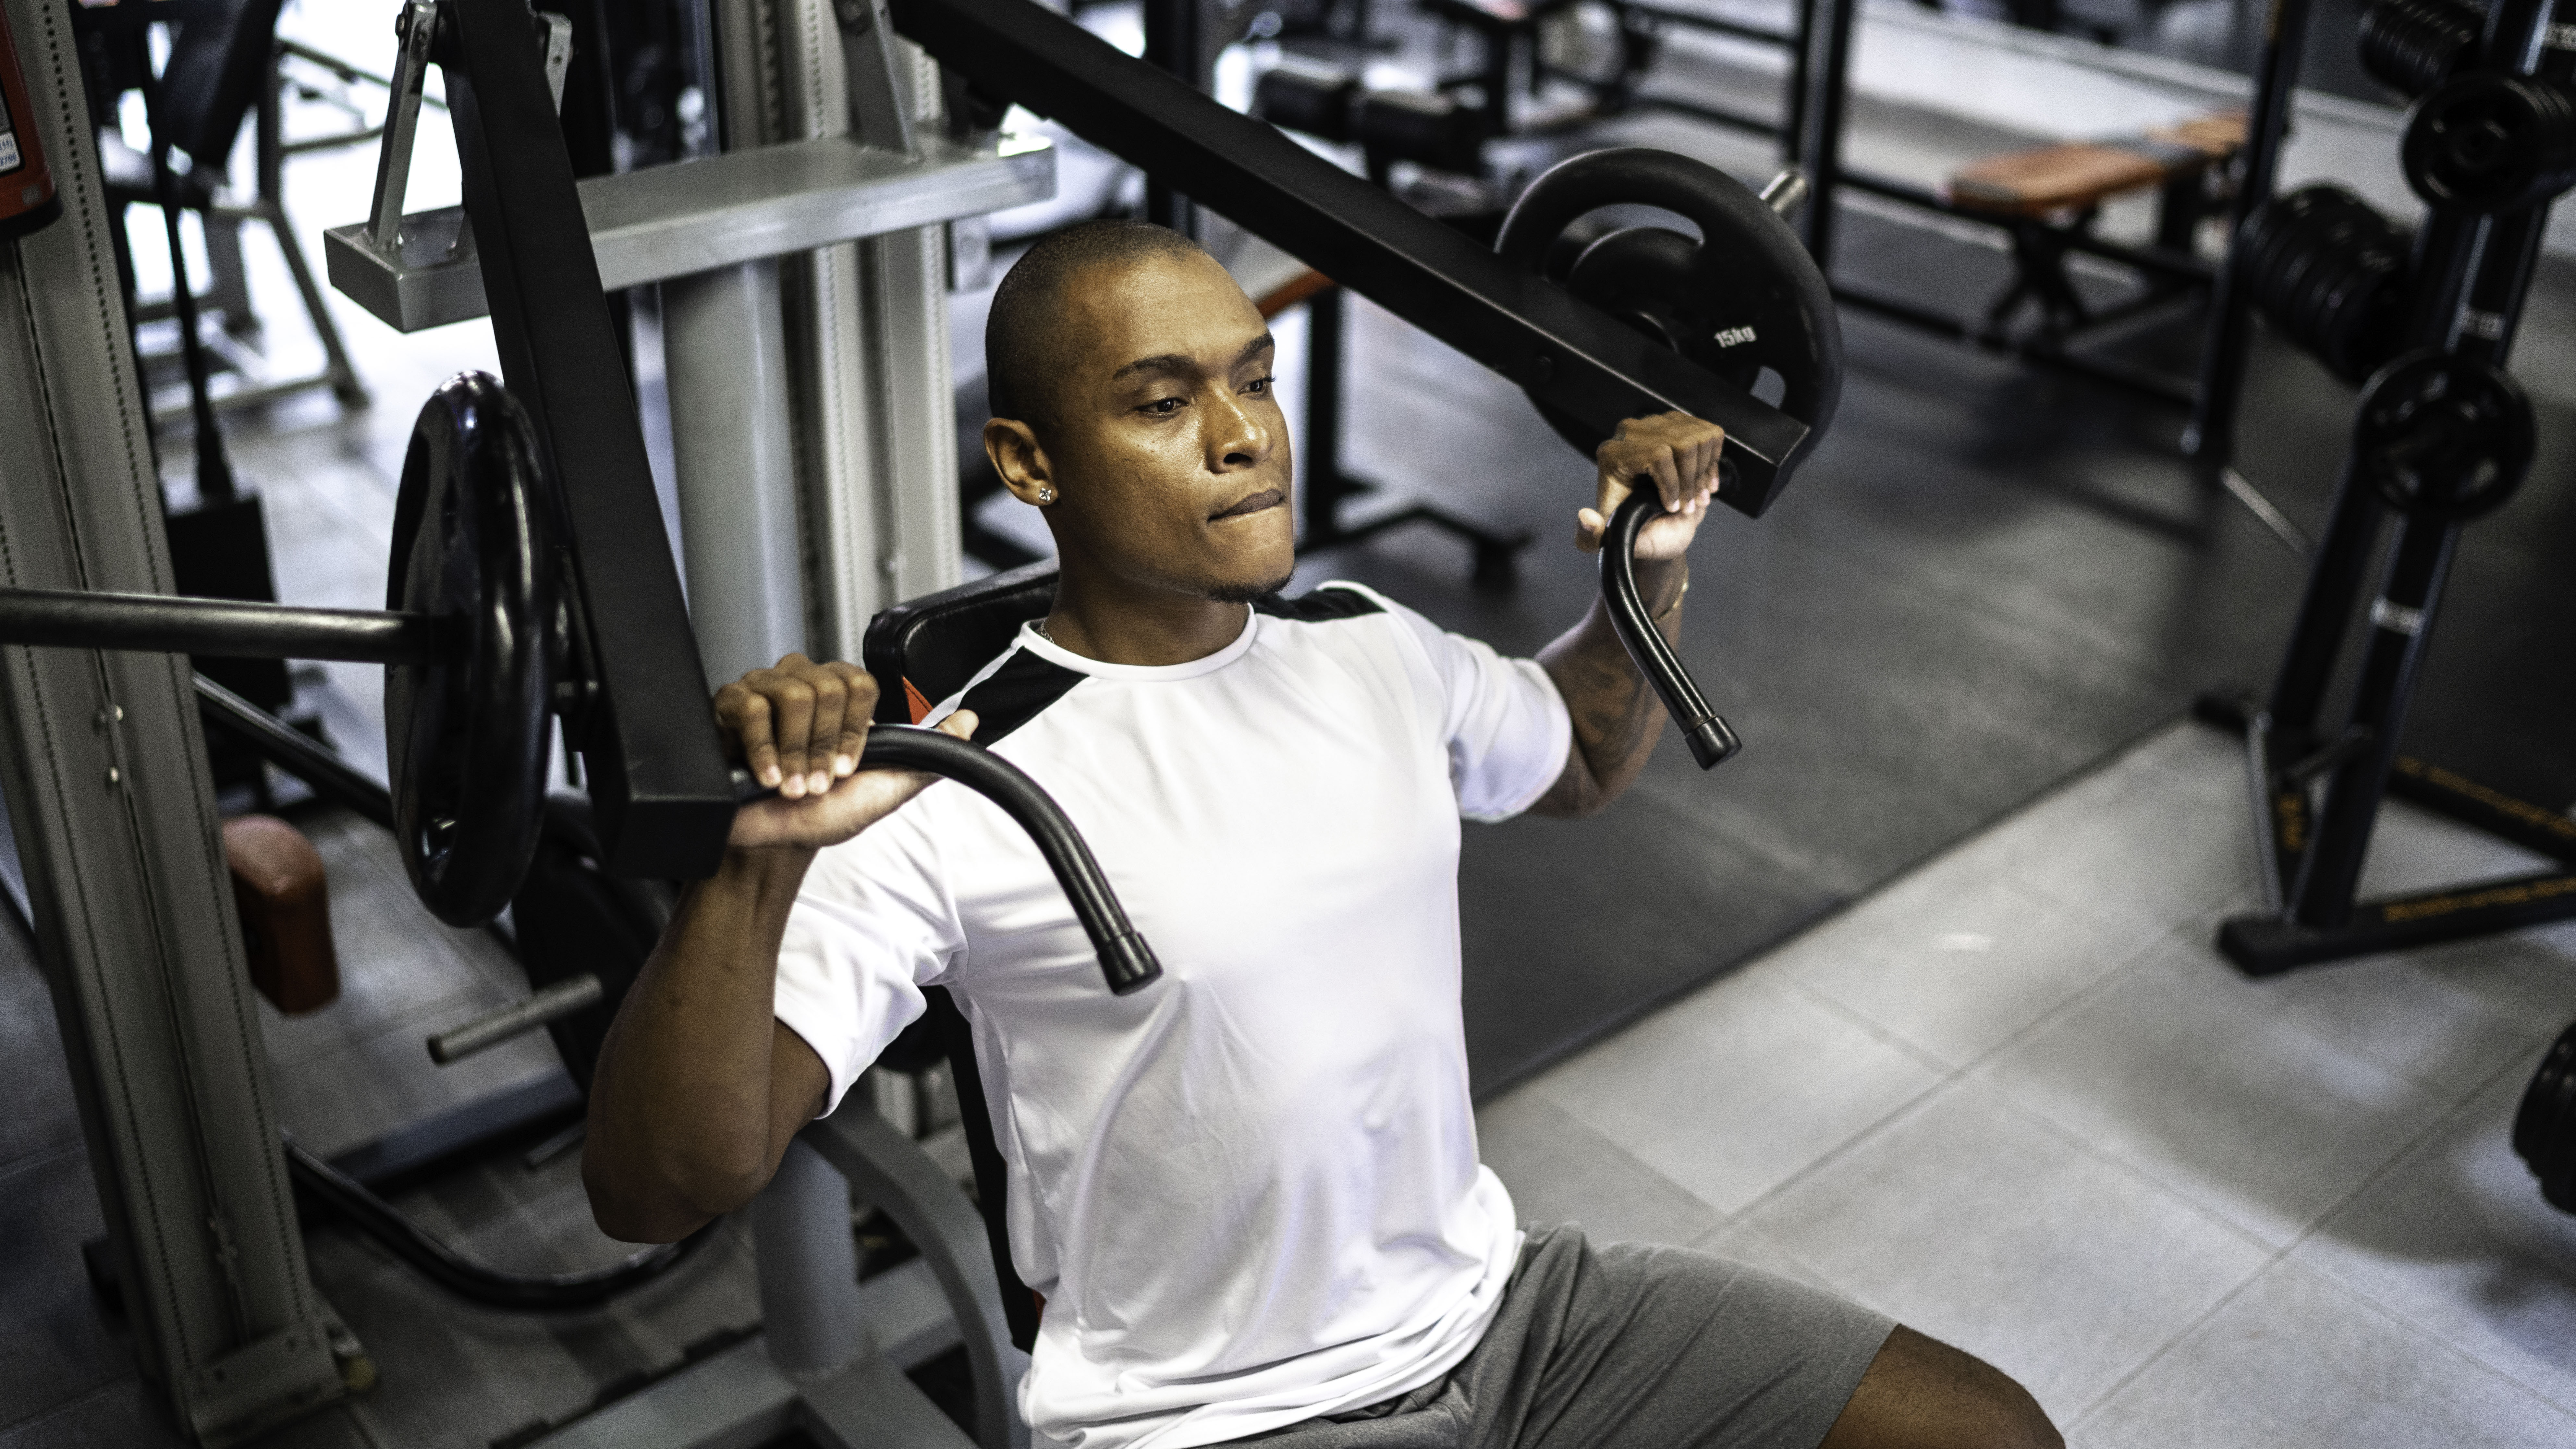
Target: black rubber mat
pixel 1988 578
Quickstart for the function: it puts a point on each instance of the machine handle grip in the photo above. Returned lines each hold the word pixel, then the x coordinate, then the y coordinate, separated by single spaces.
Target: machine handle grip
pixel 1711 742
pixel 1125 959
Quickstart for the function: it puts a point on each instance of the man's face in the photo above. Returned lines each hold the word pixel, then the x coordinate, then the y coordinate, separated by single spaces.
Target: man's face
pixel 1169 448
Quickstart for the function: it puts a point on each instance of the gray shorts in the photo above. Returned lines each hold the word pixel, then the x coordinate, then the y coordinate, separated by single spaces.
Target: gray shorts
pixel 1629 1346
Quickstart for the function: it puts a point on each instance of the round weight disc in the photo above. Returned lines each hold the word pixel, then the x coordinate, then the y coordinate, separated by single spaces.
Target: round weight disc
pixel 2544 1127
pixel 466 737
pixel 2444 437
pixel 1744 297
pixel 2491 143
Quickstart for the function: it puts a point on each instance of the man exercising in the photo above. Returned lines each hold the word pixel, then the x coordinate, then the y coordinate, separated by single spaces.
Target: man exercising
pixel 1249 1194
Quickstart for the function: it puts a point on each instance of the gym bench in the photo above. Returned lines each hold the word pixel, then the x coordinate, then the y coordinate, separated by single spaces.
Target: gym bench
pixel 2047 201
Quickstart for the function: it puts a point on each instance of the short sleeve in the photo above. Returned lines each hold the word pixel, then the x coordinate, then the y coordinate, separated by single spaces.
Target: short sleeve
pixel 873 924
pixel 1505 725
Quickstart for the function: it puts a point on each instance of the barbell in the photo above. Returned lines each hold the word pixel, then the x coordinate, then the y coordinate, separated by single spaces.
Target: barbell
pixel 480 656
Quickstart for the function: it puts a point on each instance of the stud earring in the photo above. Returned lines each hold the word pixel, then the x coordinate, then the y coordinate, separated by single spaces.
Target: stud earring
pixel 1046 495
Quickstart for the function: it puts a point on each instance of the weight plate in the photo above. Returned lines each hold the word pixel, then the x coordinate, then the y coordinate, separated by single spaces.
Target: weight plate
pixel 2331 273
pixel 1743 297
pixel 2544 1127
pixel 2489 144
pixel 466 736
pixel 2444 437
pixel 2411 46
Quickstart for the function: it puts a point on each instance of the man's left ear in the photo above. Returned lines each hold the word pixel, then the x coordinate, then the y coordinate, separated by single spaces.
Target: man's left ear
pixel 1021 460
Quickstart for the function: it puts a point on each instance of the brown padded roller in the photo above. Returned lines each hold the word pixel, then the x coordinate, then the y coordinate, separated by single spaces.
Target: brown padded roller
pixel 285 904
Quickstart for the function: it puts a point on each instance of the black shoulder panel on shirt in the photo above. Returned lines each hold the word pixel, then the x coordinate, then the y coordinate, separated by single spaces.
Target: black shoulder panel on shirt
pixel 1319 605
pixel 1014 693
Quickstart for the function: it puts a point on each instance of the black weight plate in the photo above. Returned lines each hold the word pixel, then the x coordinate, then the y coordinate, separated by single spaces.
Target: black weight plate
pixel 1745 296
pixel 2444 437
pixel 2491 143
pixel 2411 46
pixel 2544 1127
pixel 474 530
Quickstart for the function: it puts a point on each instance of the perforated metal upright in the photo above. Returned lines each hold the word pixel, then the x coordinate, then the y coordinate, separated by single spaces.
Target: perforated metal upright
pixel 872 401
pixel 115 820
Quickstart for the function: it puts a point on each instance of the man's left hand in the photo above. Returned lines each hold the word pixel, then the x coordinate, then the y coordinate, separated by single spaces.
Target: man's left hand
pixel 1679 452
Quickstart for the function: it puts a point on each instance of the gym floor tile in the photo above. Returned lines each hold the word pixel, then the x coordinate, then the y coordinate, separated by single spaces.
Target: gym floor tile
pixel 453 1376
pixel 41 1116
pixel 2456 1240
pixel 113 1416
pixel 2294 1362
pixel 1952 960
pixel 2196 1076
pixel 1734 1090
pixel 362 1089
pixel 1560 1171
pixel 54 1344
pixel 2449 1016
pixel 1974 1221
pixel 398 966
pixel 2127 847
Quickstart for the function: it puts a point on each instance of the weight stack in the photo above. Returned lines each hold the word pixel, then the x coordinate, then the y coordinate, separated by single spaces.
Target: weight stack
pixel 2412 46
pixel 2331 273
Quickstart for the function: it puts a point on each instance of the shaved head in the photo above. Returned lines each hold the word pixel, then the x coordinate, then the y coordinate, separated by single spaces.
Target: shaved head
pixel 1028 348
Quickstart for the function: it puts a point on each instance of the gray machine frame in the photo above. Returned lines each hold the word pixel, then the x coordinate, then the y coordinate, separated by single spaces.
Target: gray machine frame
pixel 805 302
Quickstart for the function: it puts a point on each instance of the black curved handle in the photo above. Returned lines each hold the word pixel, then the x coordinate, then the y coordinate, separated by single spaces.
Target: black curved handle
pixel 1125 959
pixel 1711 742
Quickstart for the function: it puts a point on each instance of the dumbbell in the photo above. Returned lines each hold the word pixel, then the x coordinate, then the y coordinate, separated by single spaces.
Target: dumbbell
pixel 1741 299
pixel 480 653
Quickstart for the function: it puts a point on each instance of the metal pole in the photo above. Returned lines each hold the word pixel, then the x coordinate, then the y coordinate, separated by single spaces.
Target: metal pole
pixel 1820 132
pixel 808 1263
pixel 2210 439
pixel 1172 42
pixel 226 628
pixel 2401 618
pixel 1325 485
pixel 724 344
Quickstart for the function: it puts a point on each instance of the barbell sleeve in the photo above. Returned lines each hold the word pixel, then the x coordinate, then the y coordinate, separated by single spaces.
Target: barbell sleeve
pixel 1711 742
pixel 225 628
pixel 1125 960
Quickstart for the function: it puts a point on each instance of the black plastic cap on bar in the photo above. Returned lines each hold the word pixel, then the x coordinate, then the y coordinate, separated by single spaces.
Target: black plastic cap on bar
pixel 1711 742
pixel 1129 964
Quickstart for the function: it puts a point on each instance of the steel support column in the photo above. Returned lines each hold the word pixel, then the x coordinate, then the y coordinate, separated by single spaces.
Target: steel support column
pixel 114 814
pixel 733 439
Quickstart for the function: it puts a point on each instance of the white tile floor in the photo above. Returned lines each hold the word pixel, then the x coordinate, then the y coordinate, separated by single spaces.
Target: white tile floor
pixel 2017 1100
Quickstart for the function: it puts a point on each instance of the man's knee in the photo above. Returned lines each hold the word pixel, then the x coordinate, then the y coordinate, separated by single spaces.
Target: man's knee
pixel 1922 1394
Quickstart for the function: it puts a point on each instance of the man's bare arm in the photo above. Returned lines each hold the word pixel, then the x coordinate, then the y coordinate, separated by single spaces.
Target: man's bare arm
pixel 1617 716
pixel 699 1088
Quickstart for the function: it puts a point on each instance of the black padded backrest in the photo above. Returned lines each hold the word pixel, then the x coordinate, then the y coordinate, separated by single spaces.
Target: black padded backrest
pixel 921 652
pixel 925 650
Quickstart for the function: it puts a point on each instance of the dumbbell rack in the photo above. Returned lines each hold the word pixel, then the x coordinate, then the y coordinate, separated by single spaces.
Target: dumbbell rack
pixel 2442 435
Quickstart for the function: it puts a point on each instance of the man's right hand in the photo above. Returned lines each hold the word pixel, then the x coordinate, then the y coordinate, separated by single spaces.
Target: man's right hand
pixel 800 728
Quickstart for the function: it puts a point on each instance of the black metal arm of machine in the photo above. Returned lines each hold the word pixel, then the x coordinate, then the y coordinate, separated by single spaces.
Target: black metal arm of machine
pixel 430 1255
pixel 1581 360
pixel 1125 960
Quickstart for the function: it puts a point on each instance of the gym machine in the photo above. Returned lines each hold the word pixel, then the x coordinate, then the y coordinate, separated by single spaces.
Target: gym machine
pixel 2442 435
pixel 503 610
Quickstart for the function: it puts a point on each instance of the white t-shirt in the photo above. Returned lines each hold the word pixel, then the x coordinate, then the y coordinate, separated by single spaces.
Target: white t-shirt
pixel 1249 1192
